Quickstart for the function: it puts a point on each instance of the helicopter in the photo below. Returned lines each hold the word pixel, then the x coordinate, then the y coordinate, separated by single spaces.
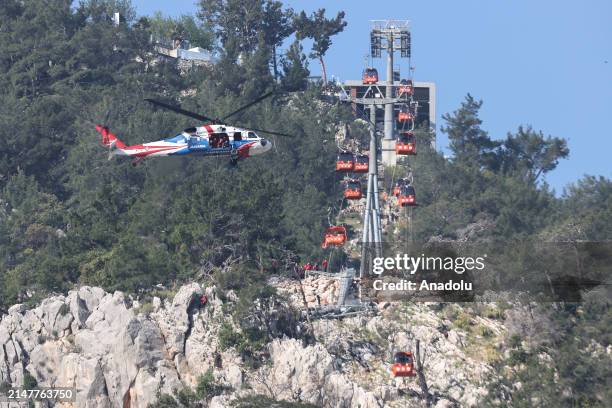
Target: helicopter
pixel 213 138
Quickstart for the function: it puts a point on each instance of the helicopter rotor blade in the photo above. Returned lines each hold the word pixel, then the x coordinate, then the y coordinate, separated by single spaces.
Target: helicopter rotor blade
pixel 248 105
pixel 271 132
pixel 264 131
pixel 179 110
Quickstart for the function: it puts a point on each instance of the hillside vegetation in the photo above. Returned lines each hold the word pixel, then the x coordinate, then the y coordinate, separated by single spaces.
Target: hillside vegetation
pixel 68 216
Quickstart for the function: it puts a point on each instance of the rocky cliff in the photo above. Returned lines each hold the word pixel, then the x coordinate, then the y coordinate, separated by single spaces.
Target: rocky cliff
pixel 118 353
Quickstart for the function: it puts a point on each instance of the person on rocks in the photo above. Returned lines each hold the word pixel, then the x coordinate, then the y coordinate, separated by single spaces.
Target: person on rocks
pixel 324 265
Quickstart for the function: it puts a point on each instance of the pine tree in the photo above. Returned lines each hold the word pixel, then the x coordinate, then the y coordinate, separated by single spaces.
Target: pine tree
pixel 320 30
pixel 469 143
pixel 295 69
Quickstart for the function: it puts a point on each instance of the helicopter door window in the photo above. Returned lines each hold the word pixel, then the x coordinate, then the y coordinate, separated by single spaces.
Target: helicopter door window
pixel 214 140
pixel 224 140
pixel 237 136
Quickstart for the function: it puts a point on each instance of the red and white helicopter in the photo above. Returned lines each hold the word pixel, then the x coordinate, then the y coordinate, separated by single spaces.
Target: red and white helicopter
pixel 213 138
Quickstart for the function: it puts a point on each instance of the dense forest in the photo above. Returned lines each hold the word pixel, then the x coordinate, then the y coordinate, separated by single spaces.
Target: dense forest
pixel 69 216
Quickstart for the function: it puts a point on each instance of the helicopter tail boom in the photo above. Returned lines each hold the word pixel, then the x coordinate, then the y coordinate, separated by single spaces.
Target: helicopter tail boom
pixel 109 139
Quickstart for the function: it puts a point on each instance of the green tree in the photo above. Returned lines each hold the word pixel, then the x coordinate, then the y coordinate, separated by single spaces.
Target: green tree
pixel 528 154
pixel 276 27
pixel 237 23
pixel 184 26
pixel 469 143
pixel 320 29
pixel 295 69
pixel 587 208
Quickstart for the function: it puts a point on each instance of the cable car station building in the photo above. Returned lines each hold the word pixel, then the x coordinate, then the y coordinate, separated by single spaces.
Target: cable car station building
pixel 424 95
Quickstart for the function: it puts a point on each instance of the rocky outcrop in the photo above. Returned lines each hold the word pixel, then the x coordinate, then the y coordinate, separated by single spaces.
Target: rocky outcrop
pixel 307 374
pixel 317 290
pixel 117 352
pixel 97 343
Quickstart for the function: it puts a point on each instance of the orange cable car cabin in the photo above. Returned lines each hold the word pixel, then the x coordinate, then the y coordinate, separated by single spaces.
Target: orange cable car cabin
pixel 405 114
pixel 406 144
pixel 335 235
pixel 406 87
pixel 345 161
pixel 403 365
pixel 398 186
pixel 361 163
pixel 370 76
pixel 407 197
pixel 352 190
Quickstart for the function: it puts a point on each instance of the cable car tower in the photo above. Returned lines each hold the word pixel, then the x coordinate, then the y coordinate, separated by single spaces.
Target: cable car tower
pixel 371 241
pixel 389 35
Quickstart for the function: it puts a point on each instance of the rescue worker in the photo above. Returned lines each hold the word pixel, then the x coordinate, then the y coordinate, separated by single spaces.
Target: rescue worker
pixel 324 265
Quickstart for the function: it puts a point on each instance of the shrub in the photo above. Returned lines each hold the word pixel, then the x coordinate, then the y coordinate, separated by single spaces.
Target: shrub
pixel 4 387
pixel 228 337
pixel 514 341
pixel 517 357
pixel 146 308
pixel 29 381
pixel 463 321
pixel 484 331
pixel 207 387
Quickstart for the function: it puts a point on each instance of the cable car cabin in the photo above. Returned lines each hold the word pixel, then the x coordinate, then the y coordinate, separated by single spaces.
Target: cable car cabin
pixel 334 236
pixel 406 87
pixel 407 197
pixel 398 186
pixel 370 76
pixel 406 144
pixel 361 163
pixel 405 114
pixel 345 162
pixel 352 190
pixel 403 365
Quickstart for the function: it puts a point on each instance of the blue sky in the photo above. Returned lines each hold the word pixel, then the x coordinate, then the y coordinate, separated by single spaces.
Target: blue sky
pixel 541 63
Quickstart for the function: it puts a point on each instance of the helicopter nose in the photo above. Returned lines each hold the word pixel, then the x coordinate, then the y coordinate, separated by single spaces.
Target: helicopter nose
pixel 265 145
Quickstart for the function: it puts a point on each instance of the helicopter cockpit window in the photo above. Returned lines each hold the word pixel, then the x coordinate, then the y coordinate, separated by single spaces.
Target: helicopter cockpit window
pixel 252 135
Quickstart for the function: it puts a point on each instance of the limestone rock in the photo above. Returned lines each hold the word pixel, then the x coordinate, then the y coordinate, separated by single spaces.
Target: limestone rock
pixel 306 374
pixel 114 356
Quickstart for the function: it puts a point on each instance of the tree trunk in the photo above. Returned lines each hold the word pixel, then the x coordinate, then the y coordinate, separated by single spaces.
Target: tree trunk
pixel 323 71
pixel 274 64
